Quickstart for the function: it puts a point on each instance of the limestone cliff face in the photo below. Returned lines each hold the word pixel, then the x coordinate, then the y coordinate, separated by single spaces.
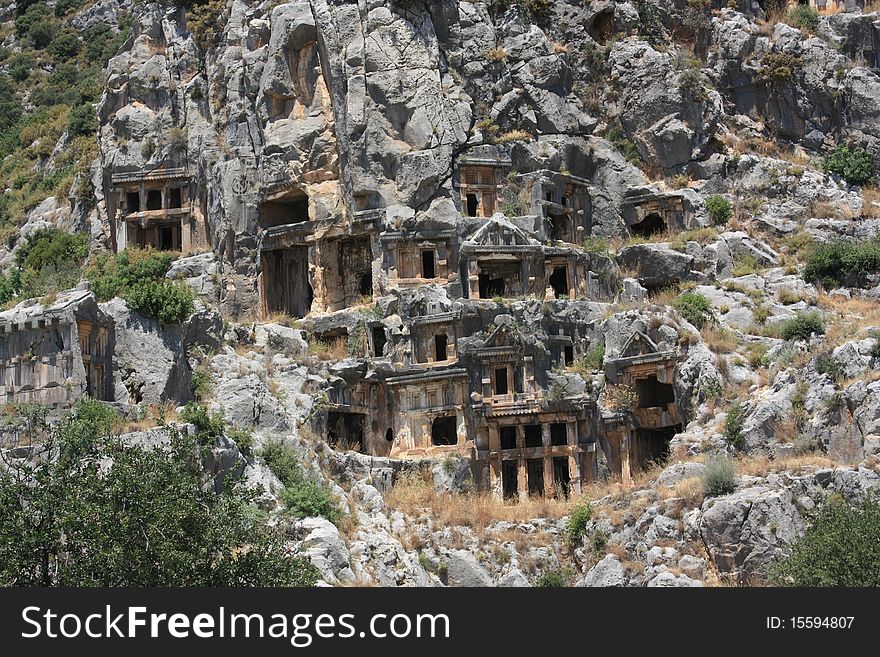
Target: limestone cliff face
pixel 357 106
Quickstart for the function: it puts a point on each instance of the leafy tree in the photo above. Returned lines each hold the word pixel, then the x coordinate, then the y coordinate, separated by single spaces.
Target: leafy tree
pixel 87 509
pixel 839 548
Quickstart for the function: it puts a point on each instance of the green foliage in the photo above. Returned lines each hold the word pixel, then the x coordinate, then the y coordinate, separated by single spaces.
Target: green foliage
pixel 694 307
pixel 719 477
pixel 303 497
pixel 167 301
pixel 203 22
pixel 49 261
pixel 242 436
pixel 719 208
pixel 594 359
pixel 64 45
pixel 827 364
pixel 91 510
pixel 598 541
pixel 839 548
pixel 63 7
pixel 82 120
pixel 843 262
pixel 650 23
pixel 596 245
pixel 308 499
pixel 112 276
pixel 803 17
pixel 557 578
pixel 802 326
pixel 283 460
pixel 855 166
pixel 209 426
pixel 616 135
pixel 201 383
pixel 576 525
pixel 733 426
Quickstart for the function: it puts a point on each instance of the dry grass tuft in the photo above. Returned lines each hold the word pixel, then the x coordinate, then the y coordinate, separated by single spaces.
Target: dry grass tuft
pixel 414 495
pixel 719 339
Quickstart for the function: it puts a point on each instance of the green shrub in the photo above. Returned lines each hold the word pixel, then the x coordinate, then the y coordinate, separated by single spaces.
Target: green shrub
pixel 843 262
pixel 596 245
pixel 694 307
pixel 167 301
pixel 719 208
pixel 802 326
pixel 719 477
pixel 576 524
pixel 64 7
pixel 838 549
pixel 64 46
pixel 804 17
pixel 203 22
pixel 733 425
pixel 826 364
pixel 594 359
pixel 283 460
pixel 308 499
pixel 302 497
pixel 243 437
pixel 209 426
pixel 41 33
pixel 598 541
pixel 49 261
pixel 202 382
pixel 111 276
pixel 557 578
pixel 855 166
pixel 617 136
pixel 82 120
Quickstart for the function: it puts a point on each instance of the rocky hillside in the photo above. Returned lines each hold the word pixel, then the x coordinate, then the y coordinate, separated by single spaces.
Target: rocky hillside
pixel 698 180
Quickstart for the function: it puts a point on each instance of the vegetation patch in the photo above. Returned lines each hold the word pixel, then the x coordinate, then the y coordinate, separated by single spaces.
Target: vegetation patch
pixel 802 327
pixel 694 307
pixel 843 262
pixel 839 548
pixel 855 166
pixel 147 517
pixel 303 497
pixel 719 477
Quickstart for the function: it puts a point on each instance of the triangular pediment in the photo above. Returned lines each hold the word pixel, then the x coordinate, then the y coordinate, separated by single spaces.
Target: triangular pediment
pixel 638 344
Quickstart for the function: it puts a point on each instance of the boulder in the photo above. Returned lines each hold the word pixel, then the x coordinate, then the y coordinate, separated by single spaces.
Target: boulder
pixel 748 530
pixel 608 572
pixel 464 570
